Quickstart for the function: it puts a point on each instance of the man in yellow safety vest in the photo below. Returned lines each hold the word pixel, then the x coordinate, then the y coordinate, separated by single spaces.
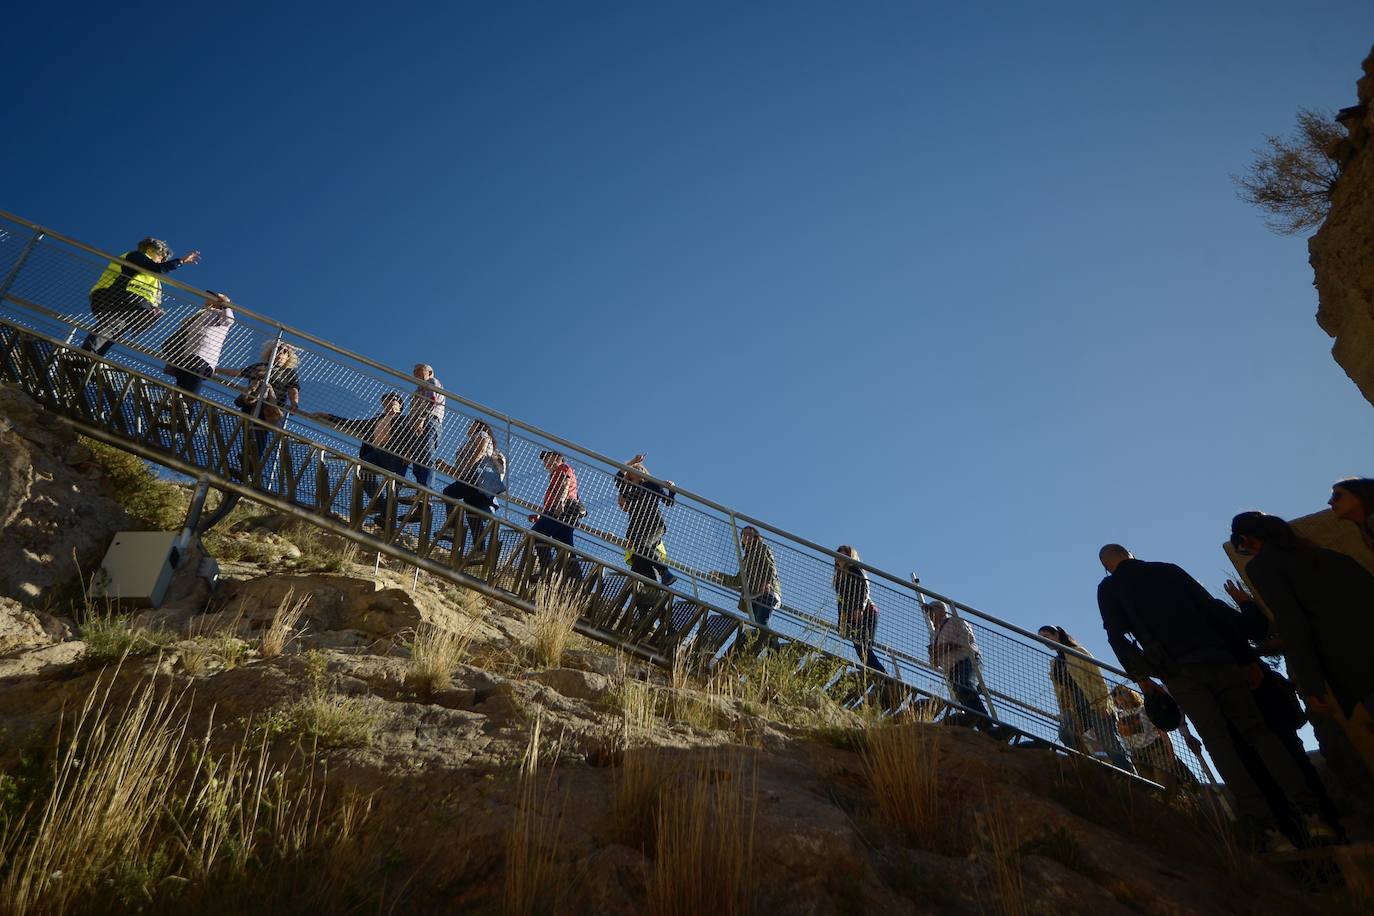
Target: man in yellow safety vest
pixel 125 299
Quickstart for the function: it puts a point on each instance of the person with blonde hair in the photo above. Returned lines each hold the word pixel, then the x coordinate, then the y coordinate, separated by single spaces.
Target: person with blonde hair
pixel 272 390
pixel 858 615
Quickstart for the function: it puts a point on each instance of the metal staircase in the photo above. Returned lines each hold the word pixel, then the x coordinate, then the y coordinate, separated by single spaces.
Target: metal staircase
pixel 310 469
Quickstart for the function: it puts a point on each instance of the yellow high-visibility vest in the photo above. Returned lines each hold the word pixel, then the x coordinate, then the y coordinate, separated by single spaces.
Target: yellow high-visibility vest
pixel 145 286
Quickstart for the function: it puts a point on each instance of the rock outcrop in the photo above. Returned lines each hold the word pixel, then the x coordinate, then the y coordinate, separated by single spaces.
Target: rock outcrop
pixel 56 513
pixel 1342 251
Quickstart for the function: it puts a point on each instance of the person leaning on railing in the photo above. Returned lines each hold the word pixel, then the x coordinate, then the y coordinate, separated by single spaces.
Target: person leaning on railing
pixel 858 615
pixel 383 437
pixel 1084 702
pixel 127 300
pixel 757 579
pixel 954 652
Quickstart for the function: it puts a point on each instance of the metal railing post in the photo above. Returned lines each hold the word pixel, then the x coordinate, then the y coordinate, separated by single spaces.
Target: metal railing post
pixel 19 263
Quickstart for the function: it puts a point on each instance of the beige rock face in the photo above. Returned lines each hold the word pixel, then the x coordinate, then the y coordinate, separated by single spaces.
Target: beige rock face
pixel 1342 251
pixel 54 513
pixel 21 628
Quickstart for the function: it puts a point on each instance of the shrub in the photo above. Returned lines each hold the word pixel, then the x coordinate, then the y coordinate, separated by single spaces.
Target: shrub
pixel 530 882
pixel 152 503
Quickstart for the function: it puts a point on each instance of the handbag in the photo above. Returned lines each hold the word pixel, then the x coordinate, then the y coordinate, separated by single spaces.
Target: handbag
pixel 488 477
pixel 259 390
pixel 1278 701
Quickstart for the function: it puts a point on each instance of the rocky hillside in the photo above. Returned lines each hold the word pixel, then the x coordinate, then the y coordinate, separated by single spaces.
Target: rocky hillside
pixel 326 734
pixel 1342 252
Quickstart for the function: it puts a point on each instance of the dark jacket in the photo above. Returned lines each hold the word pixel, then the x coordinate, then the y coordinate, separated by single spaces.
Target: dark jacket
pixel 1323 606
pixel 644 503
pixel 1175 622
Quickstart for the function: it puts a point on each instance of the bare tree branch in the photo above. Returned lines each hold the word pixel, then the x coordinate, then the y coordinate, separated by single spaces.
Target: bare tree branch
pixel 1291 178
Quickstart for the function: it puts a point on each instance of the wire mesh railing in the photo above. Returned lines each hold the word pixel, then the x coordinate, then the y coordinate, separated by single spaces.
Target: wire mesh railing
pixel 45 281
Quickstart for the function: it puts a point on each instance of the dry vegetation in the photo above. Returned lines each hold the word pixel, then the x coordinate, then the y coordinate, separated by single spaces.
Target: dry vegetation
pixel 136 815
pixel 436 652
pixel 558 604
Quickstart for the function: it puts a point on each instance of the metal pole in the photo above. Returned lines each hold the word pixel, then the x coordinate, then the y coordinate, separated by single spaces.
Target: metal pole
pixel 14 271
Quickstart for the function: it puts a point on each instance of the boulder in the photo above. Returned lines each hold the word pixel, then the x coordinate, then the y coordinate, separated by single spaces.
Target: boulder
pixel 21 628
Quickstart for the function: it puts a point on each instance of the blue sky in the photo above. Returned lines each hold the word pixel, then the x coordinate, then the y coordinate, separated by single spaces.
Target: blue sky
pixel 965 286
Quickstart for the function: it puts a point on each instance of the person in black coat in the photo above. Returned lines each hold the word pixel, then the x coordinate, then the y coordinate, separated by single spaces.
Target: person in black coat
pixel 1163 624
pixel 1323 607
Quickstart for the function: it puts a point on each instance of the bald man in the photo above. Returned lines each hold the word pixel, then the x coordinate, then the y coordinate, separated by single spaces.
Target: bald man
pixel 1162 623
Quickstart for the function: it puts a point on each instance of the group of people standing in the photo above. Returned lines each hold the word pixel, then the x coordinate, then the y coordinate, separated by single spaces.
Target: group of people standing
pixel 1169 634
pixel 1178 641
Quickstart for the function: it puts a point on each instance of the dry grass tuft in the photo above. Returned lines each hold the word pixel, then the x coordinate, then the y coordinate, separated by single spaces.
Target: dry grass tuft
pixel 329 719
pixel 902 763
pixel 282 629
pixel 140 817
pixel 111 636
pixel 1004 842
pixel 531 882
pixel 559 605
pixel 436 652
pixel 704 843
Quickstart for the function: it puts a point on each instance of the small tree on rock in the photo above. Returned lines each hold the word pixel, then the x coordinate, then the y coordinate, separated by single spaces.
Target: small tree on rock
pixel 1291 178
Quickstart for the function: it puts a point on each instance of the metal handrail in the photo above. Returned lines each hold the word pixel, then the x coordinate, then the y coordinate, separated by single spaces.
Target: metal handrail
pixel 574 447
pixel 801 551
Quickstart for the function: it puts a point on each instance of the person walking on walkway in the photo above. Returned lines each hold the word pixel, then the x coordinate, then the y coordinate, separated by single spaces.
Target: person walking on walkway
pixel 272 390
pixel 954 652
pixel 127 300
pixel 425 420
pixel 643 501
pixel 1085 704
pixel 561 509
pixel 383 438
pixel 858 615
pixel 479 472
pixel 1162 623
pixel 194 348
pixel 757 579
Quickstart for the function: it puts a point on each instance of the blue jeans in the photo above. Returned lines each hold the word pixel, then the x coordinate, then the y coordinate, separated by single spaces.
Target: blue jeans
pixel 423 459
pixel 551 527
pixel 962 684
pixel 762 608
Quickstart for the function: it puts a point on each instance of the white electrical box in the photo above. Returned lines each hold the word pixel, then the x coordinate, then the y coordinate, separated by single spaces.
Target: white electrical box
pixel 138 567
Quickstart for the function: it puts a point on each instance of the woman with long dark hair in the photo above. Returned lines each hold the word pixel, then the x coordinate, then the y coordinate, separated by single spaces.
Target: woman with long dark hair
pixel 1085 704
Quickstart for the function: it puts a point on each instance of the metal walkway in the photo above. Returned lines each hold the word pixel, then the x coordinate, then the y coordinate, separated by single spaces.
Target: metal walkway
pixel 309 469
